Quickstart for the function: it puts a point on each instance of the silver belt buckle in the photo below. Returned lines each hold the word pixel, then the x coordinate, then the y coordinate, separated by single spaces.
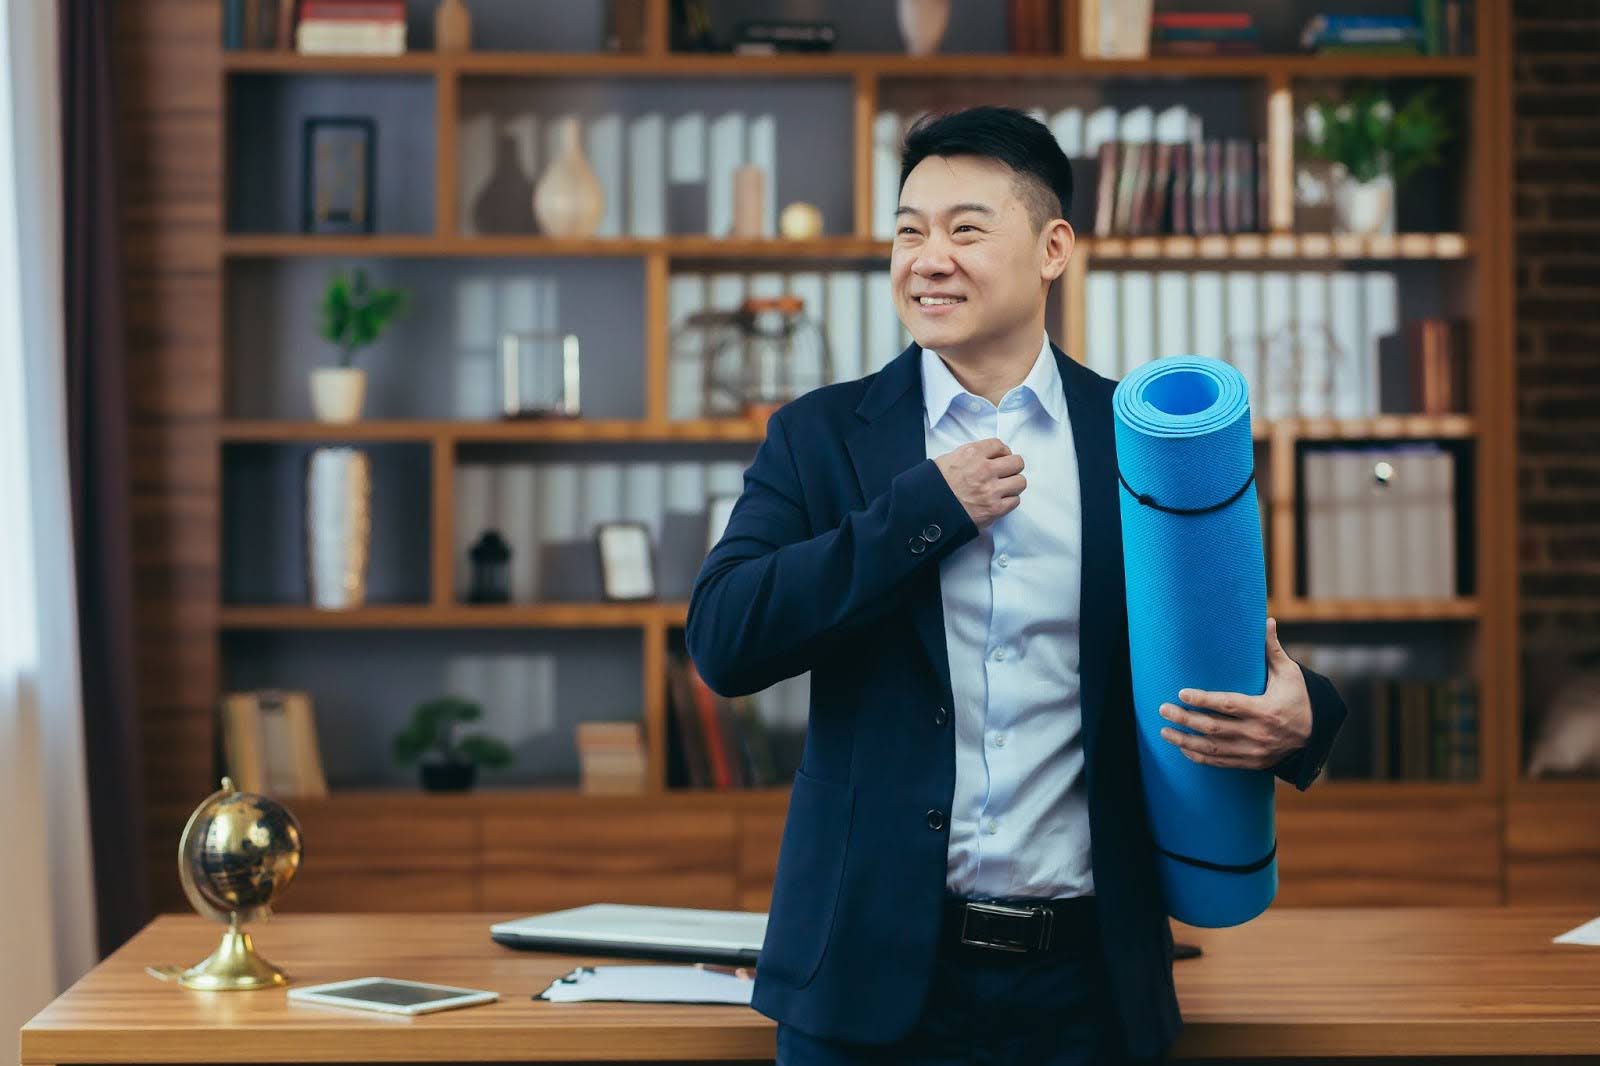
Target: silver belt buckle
pixel 1000 908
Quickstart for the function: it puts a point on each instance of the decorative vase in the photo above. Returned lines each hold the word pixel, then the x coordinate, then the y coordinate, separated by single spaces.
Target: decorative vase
pixel 568 200
pixel 338 527
pixel 448 776
pixel 922 24
pixel 800 221
pixel 337 393
pixel 452 27
pixel 1364 207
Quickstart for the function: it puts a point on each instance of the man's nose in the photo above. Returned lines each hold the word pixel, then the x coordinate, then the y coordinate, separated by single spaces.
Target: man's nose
pixel 933 258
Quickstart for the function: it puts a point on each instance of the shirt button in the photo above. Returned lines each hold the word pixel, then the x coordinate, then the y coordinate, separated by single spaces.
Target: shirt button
pixel 999 655
pixel 917 545
pixel 999 740
pixel 993 827
pixel 1004 559
pixel 935 820
pixel 941 716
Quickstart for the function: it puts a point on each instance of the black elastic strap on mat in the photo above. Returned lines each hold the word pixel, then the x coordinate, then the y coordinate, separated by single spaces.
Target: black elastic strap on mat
pixel 1249 868
pixel 1149 501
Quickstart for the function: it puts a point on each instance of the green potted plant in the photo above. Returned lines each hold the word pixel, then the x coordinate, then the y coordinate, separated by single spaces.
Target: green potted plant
pixel 1373 148
pixel 352 315
pixel 448 762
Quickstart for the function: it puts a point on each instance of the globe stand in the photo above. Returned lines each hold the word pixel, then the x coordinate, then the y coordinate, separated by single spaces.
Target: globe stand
pixel 233 967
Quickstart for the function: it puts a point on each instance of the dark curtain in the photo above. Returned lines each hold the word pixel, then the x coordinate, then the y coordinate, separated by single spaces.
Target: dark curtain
pixel 97 443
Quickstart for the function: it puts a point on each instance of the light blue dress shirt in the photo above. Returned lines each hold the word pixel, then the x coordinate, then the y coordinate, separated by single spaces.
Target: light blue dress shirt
pixel 1019 826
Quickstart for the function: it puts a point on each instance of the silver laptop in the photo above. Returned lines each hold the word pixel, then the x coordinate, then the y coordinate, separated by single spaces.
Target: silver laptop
pixel 680 933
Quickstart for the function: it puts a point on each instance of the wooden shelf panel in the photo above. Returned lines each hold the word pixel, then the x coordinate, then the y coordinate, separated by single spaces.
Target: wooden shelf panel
pixel 850 64
pixel 498 799
pixel 1276 247
pixel 1463 609
pixel 1381 427
pixel 627 615
pixel 266 431
pixel 462 616
pixel 1279 246
pixel 720 430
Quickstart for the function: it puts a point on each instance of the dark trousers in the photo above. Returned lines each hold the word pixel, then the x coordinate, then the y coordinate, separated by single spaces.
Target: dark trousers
pixel 988 1008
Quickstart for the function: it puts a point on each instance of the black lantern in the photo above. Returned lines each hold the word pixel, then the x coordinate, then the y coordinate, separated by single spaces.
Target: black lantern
pixel 491 569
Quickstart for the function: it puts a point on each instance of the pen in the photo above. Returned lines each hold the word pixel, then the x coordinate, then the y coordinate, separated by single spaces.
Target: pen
pixel 732 971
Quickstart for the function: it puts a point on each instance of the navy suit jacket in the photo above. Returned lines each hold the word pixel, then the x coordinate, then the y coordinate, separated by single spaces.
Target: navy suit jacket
pixel 830 563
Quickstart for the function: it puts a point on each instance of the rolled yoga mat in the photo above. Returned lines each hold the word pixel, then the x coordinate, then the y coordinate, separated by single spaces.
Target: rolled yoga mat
pixel 1197 609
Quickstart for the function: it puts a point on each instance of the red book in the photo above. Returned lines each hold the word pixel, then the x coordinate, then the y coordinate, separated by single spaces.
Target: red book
pixel 353 10
pixel 1201 20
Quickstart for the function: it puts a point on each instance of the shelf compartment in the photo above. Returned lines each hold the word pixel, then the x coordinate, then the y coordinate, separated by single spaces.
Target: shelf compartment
pixel 463 616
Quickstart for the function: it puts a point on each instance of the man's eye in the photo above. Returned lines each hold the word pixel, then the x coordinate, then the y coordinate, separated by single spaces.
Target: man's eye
pixel 965 225
pixel 907 229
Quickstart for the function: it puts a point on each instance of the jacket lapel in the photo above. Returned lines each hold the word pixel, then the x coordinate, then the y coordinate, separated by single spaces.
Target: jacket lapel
pixel 1100 601
pixel 892 442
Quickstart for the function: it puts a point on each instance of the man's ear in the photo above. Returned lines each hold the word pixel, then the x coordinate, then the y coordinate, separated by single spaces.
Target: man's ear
pixel 1059 242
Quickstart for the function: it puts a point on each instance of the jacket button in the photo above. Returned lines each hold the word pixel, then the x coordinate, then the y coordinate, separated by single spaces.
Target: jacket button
pixel 931 534
pixel 941 716
pixel 935 819
pixel 917 545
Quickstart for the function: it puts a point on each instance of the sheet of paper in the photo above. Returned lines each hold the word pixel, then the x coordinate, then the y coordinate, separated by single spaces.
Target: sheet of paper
pixel 1587 933
pixel 649 984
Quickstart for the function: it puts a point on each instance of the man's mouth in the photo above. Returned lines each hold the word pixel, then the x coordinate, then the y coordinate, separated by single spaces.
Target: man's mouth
pixel 940 301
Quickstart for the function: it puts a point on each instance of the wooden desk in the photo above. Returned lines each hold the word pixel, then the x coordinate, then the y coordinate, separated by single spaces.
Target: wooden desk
pixel 1295 983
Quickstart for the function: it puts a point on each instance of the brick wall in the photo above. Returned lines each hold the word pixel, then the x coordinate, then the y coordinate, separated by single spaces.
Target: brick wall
pixel 1556 140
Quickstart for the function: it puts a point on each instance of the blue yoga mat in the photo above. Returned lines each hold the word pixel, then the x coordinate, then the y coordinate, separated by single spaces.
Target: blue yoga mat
pixel 1197 609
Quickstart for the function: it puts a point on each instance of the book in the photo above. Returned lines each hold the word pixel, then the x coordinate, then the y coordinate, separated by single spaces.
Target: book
pixel 269 743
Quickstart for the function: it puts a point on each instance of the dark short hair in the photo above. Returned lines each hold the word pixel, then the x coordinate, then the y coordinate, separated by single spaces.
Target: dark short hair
pixel 1007 135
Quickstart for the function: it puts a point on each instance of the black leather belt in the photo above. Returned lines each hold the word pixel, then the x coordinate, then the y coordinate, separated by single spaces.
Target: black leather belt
pixel 1019 927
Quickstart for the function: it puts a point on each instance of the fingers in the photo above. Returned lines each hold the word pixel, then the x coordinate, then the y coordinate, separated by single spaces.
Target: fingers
pixel 991 447
pixel 1006 465
pixel 1235 750
pixel 1012 486
pixel 1234 704
pixel 1202 722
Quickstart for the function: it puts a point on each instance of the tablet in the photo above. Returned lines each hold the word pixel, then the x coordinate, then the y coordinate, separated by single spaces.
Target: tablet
pixel 391 996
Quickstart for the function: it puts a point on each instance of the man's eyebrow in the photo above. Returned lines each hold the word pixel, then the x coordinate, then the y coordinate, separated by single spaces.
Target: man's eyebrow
pixel 956 209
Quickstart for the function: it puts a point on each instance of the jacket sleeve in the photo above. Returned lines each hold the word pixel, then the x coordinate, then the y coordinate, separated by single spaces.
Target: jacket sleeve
pixel 770 595
pixel 1327 715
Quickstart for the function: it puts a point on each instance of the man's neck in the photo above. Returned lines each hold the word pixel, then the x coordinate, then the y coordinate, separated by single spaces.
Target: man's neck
pixel 995 369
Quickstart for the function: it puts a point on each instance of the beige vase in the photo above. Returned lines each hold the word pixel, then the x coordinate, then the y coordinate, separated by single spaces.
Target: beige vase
pixel 452 27
pixel 337 393
pixel 922 24
pixel 568 200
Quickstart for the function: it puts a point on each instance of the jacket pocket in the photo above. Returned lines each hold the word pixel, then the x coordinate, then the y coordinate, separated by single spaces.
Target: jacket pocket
pixel 816 836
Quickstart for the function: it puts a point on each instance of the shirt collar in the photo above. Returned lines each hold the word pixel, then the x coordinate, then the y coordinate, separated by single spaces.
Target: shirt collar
pixel 940 387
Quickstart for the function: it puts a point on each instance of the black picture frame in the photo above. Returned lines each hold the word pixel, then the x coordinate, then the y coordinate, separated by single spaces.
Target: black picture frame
pixel 627 568
pixel 347 199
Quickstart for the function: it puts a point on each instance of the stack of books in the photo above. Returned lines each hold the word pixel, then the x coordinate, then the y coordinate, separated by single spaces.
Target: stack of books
pixel 1031 27
pixel 611 758
pixel 1203 33
pixel 1363 35
pixel 1183 187
pixel 351 27
pixel 1415 731
pixel 716 742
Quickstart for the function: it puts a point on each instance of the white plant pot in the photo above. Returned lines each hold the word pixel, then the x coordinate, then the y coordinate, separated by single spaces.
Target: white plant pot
pixel 337 393
pixel 922 24
pixel 1364 207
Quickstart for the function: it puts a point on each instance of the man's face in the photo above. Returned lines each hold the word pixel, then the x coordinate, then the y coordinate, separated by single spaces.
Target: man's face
pixel 968 266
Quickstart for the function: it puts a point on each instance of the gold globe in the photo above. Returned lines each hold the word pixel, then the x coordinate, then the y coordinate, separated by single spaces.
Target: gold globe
pixel 238 853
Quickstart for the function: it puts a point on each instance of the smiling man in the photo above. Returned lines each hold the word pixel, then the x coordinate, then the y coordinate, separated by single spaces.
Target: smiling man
pixel 966 871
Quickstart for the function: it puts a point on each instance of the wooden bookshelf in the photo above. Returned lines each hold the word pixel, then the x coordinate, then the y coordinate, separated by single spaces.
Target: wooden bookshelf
pixel 733 836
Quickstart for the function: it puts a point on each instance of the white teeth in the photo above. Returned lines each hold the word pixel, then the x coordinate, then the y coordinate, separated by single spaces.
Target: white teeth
pixel 937 301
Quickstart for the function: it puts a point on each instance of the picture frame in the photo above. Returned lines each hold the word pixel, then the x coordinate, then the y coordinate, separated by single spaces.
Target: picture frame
pixel 626 572
pixel 338 163
pixel 718 512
